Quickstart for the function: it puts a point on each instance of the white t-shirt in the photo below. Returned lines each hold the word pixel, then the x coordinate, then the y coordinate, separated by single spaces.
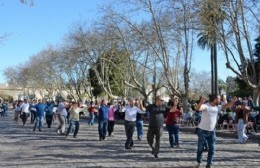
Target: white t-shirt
pixel 209 117
pixel 25 107
pixel 54 110
pixel 131 112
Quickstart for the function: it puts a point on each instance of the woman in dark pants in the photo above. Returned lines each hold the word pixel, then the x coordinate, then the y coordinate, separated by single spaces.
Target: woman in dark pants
pixel 172 120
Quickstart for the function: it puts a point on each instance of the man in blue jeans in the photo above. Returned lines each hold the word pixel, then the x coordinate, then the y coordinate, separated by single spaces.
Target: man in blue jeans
pixel 103 120
pixel 207 125
pixel 40 108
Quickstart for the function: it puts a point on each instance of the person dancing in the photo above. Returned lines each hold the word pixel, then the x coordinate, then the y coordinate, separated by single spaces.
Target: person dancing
pixel 207 125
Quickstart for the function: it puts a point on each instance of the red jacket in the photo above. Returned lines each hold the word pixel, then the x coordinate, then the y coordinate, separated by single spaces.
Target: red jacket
pixel 173 117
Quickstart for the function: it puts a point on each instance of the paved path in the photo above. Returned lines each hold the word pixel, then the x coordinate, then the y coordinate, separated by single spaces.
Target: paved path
pixel 20 147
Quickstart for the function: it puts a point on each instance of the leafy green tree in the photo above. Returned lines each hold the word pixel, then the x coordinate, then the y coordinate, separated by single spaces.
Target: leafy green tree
pixel 243 89
pixel 95 86
pixel 110 67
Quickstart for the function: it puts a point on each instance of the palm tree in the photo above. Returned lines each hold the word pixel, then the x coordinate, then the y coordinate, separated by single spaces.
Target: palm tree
pixel 211 15
pixel 205 43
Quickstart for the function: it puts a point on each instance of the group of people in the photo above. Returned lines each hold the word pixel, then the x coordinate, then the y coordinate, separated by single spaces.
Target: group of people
pixel 133 110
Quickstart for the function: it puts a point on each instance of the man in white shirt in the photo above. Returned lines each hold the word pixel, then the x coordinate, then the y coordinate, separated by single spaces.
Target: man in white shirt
pixel 130 119
pixel 207 125
pixel 62 114
pixel 25 111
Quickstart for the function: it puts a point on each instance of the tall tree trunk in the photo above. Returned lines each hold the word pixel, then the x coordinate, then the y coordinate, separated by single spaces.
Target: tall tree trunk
pixel 185 96
pixel 256 96
pixel 215 67
pixel 185 103
pixel 212 68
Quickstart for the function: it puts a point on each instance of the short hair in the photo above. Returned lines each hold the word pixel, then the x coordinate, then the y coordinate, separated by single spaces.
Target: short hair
pixel 212 97
pixel 102 101
pixel 158 97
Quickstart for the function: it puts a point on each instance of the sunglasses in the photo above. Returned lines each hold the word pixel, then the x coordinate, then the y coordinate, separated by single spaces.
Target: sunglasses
pixel 162 100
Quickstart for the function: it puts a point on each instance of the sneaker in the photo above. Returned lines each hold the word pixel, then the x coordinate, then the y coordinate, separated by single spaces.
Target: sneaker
pixel 58 131
pixel 177 146
pixel 156 157
pixel 197 166
pixel 208 166
pixel 75 136
pixel 112 134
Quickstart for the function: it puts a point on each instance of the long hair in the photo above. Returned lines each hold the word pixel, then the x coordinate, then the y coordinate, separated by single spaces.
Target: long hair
pixel 172 104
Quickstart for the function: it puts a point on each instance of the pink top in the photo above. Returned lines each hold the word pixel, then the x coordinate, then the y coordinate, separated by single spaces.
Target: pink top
pixel 111 114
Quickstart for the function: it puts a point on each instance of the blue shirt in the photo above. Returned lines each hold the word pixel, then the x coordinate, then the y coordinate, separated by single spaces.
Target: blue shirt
pixel 40 108
pixel 103 113
pixel 49 109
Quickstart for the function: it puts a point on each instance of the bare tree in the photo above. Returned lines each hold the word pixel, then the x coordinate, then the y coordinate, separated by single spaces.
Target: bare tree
pixel 236 37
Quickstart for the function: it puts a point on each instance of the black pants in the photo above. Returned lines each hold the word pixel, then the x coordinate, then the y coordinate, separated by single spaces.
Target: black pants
pixel 110 128
pixel 154 133
pixel 24 117
pixel 33 116
pixel 49 120
pixel 129 131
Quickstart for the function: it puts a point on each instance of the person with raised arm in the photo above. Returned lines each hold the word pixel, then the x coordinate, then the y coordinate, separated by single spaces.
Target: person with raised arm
pixel 207 125
pixel 172 122
pixel 131 112
pixel 74 110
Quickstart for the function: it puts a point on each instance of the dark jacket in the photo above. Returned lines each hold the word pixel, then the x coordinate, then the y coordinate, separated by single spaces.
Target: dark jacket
pixel 157 115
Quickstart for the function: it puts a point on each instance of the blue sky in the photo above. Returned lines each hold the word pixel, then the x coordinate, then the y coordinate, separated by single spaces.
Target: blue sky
pixel 31 29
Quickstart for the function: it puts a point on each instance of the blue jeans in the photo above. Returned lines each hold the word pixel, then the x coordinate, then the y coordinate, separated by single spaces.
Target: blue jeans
pixel 210 136
pixel 140 128
pixel 38 123
pixel 4 113
pixel 173 130
pixel 76 124
pixel 91 119
pixel 102 128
